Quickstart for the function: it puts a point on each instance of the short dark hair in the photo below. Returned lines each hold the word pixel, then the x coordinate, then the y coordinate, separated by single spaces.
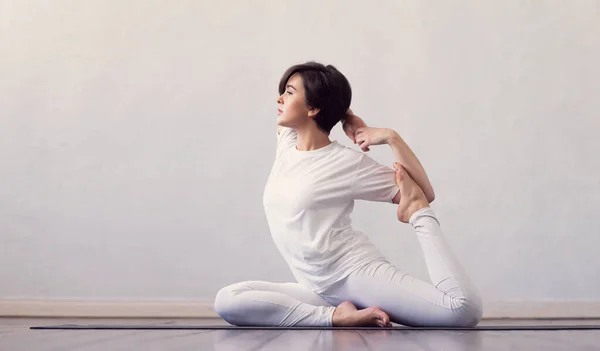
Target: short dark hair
pixel 326 89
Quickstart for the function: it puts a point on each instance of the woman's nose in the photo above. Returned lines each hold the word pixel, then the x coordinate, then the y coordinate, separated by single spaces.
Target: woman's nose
pixel 279 101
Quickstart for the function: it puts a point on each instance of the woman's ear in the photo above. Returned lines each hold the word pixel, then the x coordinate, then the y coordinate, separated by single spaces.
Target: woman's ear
pixel 313 112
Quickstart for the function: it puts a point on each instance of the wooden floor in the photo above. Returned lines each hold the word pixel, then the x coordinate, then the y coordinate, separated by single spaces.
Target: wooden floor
pixel 16 335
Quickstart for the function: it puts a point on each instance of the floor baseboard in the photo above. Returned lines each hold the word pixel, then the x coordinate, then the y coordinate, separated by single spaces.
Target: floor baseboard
pixel 551 309
pixel 106 309
pixel 548 309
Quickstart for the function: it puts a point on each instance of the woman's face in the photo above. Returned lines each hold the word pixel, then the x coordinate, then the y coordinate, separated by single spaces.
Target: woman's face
pixel 292 109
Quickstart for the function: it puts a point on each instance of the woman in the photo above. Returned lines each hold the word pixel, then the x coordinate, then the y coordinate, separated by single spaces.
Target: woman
pixel 343 279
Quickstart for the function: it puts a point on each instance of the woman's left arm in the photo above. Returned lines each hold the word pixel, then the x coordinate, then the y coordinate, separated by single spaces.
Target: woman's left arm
pixel 367 136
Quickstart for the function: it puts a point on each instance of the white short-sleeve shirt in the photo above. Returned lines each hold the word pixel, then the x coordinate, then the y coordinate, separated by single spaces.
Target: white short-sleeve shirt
pixel 308 199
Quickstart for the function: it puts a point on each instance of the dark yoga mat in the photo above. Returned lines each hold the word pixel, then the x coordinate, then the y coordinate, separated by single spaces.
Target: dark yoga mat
pixel 229 327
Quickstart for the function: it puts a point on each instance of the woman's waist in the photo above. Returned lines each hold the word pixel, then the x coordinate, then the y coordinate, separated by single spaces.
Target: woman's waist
pixel 335 248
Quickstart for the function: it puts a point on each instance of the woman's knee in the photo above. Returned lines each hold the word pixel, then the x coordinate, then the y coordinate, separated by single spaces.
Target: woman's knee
pixel 471 317
pixel 230 303
pixel 225 302
pixel 468 314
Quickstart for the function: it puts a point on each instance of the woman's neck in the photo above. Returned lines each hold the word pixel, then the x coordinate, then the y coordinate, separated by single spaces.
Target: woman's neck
pixel 311 138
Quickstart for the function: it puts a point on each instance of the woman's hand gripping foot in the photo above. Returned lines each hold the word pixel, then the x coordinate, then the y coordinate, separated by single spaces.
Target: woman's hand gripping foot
pixel 412 197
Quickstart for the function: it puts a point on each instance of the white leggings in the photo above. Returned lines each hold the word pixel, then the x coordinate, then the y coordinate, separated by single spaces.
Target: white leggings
pixel 451 301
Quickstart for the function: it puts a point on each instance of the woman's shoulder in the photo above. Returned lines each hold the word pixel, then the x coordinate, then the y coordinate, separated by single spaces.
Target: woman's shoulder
pixel 351 154
pixel 356 157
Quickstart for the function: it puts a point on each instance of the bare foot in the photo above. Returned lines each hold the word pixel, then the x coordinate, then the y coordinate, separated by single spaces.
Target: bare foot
pixel 412 198
pixel 346 315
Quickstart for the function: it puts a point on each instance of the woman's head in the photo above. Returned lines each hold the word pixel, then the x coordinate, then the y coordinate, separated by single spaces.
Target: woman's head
pixel 312 90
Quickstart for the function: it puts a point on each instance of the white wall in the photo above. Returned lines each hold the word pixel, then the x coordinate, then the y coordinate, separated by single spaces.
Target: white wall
pixel 136 138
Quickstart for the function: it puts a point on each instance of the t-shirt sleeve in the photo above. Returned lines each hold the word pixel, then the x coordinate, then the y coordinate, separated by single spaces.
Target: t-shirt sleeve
pixel 373 181
pixel 285 139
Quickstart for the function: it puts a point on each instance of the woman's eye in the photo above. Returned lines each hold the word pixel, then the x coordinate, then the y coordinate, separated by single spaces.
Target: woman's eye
pixel 289 92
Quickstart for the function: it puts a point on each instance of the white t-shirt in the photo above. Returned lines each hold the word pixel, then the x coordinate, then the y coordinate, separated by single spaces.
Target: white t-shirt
pixel 308 199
